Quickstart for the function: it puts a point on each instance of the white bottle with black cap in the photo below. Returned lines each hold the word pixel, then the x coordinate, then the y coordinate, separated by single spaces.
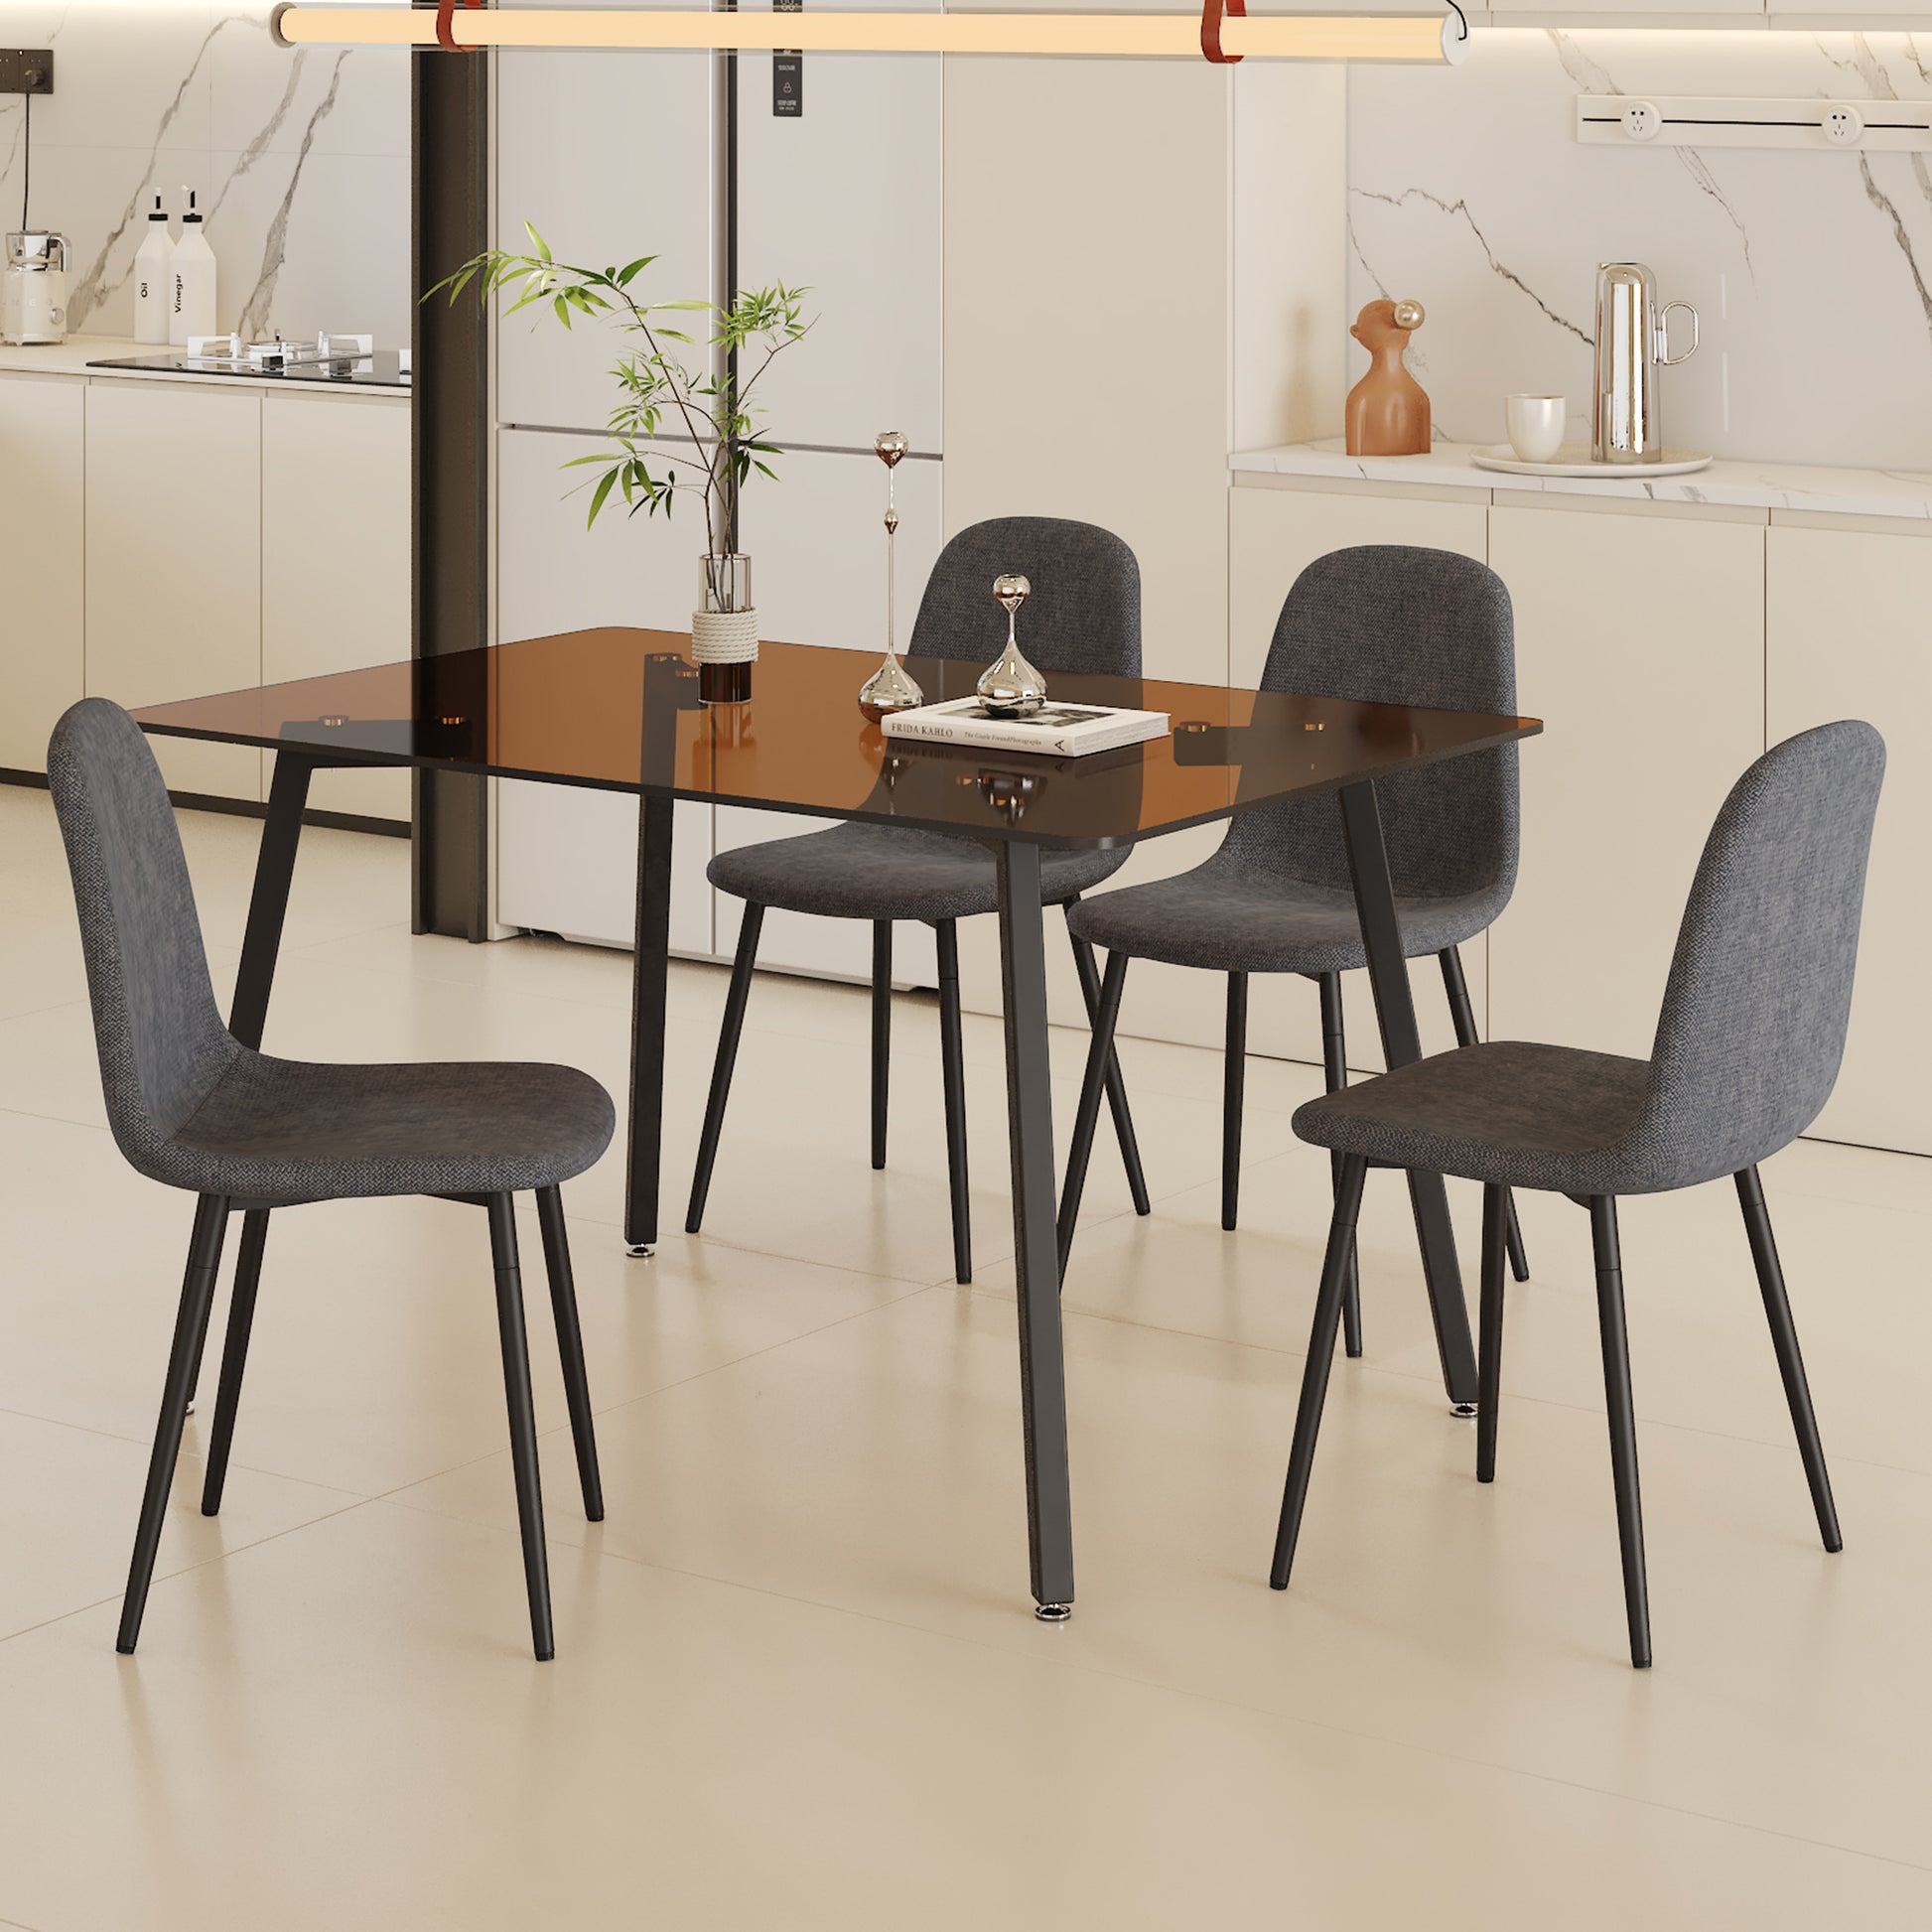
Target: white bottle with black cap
pixel 154 280
pixel 190 305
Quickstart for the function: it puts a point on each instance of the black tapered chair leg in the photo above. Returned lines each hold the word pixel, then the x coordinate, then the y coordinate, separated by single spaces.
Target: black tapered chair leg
pixel 1489 1338
pixel 1234 1088
pixel 1334 1071
pixel 1130 1144
pixel 234 1355
pixel 729 1034
pixel 1623 1422
pixel 1462 1017
pixel 522 1420
pixel 952 1063
pixel 569 1346
pixel 881 1033
pixel 191 1325
pixel 1087 1115
pixel 1315 1375
pixel 1791 1364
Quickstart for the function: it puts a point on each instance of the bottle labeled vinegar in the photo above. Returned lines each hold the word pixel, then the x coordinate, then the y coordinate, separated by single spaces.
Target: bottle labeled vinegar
pixel 190 307
pixel 154 280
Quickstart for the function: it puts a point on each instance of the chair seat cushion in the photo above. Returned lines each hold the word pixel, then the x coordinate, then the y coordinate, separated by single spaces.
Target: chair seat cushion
pixel 287 1131
pixel 1526 1116
pixel 1229 918
pixel 890 872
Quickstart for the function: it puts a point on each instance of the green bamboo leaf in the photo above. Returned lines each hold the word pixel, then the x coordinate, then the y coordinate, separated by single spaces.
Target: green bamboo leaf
pixel 597 500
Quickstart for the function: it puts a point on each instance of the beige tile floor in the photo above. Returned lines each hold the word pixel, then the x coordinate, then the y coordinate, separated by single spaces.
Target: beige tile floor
pixel 797 1684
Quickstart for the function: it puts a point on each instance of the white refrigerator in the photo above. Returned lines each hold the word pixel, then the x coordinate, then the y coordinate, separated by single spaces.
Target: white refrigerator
pixel 835 184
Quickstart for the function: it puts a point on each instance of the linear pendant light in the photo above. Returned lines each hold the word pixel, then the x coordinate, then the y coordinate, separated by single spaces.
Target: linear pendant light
pixel 1221 36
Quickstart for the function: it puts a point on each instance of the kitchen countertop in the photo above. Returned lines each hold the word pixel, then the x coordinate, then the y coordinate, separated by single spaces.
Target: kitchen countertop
pixel 72 357
pixel 1728 482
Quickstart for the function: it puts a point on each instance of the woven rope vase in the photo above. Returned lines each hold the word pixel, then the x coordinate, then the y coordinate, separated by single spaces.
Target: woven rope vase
pixel 723 637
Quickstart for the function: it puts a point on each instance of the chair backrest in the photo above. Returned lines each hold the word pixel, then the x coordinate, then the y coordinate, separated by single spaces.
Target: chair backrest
pixel 1393 624
pixel 1752 1026
pixel 1084 613
pixel 162 1040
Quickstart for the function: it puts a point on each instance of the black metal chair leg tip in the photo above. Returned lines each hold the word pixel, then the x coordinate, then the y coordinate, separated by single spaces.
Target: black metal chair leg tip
pixel 1464 1411
pixel 646 1250
pixel 1053 1613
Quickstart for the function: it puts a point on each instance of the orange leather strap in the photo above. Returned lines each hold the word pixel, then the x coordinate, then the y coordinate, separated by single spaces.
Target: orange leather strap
pixel 1210 27
pixel 444 28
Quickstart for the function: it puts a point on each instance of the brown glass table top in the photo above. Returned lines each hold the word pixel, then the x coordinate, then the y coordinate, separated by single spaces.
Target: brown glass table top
pixel 617 709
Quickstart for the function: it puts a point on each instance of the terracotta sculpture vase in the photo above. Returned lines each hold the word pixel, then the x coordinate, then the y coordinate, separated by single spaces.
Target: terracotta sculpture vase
pixel 1387 412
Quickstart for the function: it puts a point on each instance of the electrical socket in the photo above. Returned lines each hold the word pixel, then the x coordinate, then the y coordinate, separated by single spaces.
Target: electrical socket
pixel 25 70
pixel 1641 121
pixel 1844 126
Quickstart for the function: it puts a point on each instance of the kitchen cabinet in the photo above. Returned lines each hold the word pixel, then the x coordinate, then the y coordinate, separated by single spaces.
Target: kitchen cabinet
pixel 1640 641
pixel 1848 637
pixel 174 576
pixel 42 430
pixel 335 560
pixel 567 858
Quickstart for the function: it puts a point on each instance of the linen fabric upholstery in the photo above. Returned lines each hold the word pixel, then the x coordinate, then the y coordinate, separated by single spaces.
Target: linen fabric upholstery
pixel 1749 1038
pixel 1083 617
pixel 1384 624
pixel 192 1107
pixel 890 872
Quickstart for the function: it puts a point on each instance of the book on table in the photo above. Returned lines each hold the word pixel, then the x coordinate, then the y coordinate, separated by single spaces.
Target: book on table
pixel 1063 730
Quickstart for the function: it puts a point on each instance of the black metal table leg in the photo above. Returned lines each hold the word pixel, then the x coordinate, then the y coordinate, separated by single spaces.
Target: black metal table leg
pixel 650 970
pixel 269 905
pixel 1395 1013
pixel 1030 1111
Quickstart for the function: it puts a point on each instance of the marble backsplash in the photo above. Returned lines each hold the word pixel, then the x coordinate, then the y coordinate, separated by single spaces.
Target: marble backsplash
pixel 1812 271
pixel 300 160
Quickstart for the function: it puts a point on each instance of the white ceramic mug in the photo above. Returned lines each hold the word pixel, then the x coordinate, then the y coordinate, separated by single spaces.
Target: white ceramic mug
pixel 1534 425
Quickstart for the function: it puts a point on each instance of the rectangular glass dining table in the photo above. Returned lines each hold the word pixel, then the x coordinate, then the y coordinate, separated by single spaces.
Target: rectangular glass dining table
pixel 617 709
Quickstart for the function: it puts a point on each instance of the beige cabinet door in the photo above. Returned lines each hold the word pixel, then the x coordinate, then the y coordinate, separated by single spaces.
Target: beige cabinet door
pixel 567 858
pixel 42 428
pixel 1850 635
pixel 1640 643
pixel 173 559
pixel 335 595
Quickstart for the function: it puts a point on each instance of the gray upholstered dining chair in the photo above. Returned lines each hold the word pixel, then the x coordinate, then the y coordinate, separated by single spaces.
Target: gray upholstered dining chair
pixel 1083 617
pixel 1380 623
pixel 193 1108
pixel 1746 1052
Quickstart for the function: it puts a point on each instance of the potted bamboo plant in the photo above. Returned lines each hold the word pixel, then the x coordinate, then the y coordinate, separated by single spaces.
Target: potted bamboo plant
pixel 712 407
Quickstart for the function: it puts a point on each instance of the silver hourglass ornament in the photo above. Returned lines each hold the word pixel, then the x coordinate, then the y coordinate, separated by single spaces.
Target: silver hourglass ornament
pixel 1010 687
pixel 889 688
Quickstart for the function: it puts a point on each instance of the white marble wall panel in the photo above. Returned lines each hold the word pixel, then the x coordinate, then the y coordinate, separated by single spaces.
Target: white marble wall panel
pixel 1812 271
pixel 300 159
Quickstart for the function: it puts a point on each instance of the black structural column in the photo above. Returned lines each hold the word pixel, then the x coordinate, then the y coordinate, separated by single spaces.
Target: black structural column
pixel 450 495
pixel 1395 1009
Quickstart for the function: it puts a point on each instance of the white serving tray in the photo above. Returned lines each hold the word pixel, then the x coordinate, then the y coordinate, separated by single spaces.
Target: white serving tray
pixel 1572 460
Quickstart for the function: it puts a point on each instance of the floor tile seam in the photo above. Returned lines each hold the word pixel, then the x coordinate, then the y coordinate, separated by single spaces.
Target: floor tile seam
pixel 147 1442
pixel 57 1119
pixel 1273 1718
pixel 1837 1457
pixel 401 1489
pixel 188 1569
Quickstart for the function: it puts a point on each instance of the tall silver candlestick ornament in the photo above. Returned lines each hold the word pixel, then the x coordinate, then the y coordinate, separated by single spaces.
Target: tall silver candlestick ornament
pixel 1010 687
pixel 889 688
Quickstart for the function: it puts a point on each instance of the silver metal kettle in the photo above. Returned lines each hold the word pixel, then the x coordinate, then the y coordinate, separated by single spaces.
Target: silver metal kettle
pixel 1632 344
